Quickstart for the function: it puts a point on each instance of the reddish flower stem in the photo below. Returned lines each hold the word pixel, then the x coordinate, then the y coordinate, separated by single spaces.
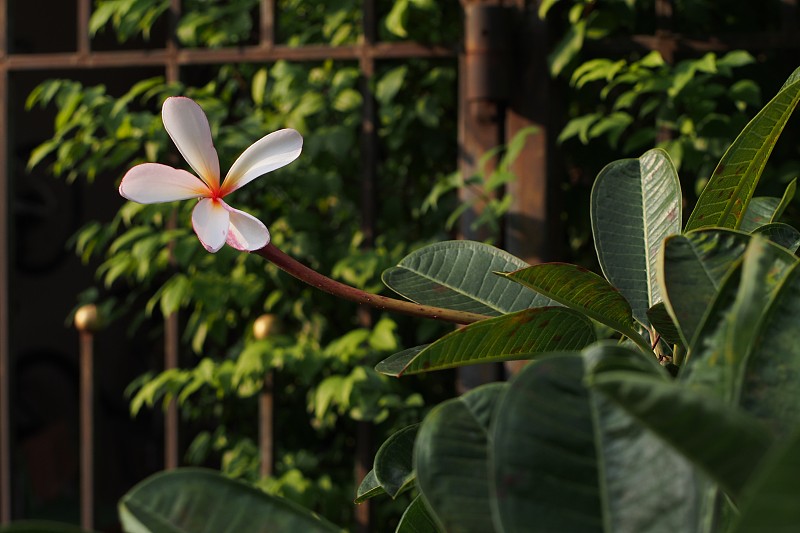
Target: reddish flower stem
pixel 326 284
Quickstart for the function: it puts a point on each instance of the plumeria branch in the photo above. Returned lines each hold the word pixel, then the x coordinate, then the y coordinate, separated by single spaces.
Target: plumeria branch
pixel 291 266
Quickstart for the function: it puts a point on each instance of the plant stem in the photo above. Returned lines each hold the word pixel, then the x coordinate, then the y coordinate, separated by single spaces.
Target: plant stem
pixel 289 265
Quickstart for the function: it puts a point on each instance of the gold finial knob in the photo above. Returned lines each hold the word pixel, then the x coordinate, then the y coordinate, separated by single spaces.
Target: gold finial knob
pixel 86 318
pixel 266 325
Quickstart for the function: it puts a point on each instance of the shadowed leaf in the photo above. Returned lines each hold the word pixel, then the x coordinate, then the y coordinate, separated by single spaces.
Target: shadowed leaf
pixel 517 336
pixel 582 290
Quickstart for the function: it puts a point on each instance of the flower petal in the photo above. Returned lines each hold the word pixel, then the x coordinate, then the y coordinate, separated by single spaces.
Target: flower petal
pixel 188 127
pixel 151 183
pixel 245 231
pixel 273 151
pixel 210 220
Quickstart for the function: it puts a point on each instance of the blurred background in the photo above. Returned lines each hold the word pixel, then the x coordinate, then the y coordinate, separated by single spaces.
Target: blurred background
pixel 423 120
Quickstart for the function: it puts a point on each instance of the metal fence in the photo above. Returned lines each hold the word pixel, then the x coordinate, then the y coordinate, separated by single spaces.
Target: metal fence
pixel 502 38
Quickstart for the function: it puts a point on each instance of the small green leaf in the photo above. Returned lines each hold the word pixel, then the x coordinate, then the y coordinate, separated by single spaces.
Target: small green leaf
pixel 368 488
pixel 663 323
pixel 393 467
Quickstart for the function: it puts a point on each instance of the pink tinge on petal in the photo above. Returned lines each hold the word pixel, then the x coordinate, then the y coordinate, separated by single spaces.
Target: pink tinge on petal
pixel 188 127
pixel 210 221
pixel 151 183
pixel 245 232
pixel 265 155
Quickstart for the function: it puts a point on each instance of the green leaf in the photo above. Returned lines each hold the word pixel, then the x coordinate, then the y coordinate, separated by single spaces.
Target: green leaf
pixel 635 205
pixel 517 336
pixel 725 198
pixel 693 267
pixel 722 441
pixel 781 234
pixel 544 463
pixel 566 459
pixel 200 501
pixel 393 466
pixel 390 83
pixel 763 211
pixel 584 291
pixel 567 48
pixel 451 459
pixel 458 275
pixel 760 212
pixel 662 322
pixel 772 373
pixel 771 500
pixel 368 488
pixel 417 518
pixel 731 326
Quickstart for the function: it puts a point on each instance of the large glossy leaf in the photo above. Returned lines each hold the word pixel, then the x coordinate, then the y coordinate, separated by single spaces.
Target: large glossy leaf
pixel 205 501
pixel 733 323
pixel 720 440
pixel 692 268
pixel 771 381
pixel 451 458
pixel 565 459
pixel 545 471
pixel 707 368
pixel 417 518
pixel 635 204
pixel 517 336
pixel 771 502
pixel 725 198
pixel 459 275
pixel 582 290
pixel 393 467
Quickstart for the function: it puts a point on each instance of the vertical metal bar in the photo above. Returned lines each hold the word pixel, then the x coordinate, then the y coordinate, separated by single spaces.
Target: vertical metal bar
pixel 5 357
pixel 84 10
pixel 480 129
pixel 531 220
pixel 87 428
pixel 264 326
pixel 266 34
pixel 666 47
pixel 171 326
pixel 86 324
pixel 265 426
pixel 369 139
pixel 369 164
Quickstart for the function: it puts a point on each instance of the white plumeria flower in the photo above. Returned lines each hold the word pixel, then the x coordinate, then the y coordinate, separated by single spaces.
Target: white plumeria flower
pixel 214 221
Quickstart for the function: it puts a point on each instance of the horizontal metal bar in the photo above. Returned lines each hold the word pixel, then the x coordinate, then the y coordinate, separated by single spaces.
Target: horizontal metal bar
pixel 245 54
pixel 716 43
